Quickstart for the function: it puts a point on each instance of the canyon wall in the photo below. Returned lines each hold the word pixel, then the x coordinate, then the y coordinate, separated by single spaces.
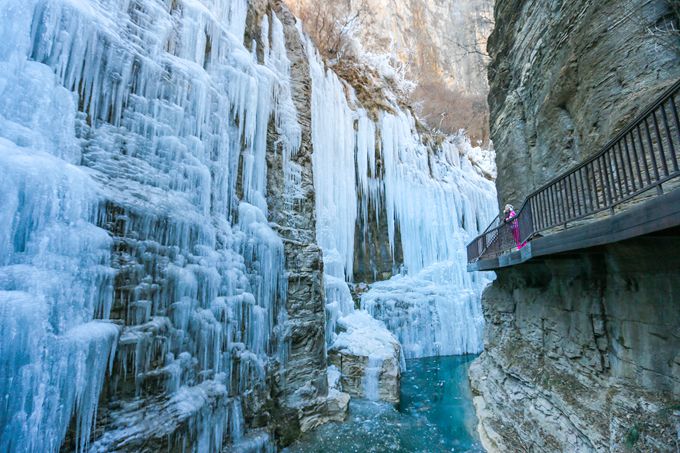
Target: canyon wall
pixel 581 350
pixel 564 76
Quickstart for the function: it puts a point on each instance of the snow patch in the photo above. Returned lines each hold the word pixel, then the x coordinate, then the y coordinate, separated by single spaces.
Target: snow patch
pixel 362 335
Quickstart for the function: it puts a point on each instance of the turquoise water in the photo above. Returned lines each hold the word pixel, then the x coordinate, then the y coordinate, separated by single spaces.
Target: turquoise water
pixel 435 415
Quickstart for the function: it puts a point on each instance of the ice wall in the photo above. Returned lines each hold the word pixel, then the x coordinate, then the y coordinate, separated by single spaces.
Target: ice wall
pixel 334 140
pixel 55 263
pixel 439 202
pixel 133 220
pixel 434 199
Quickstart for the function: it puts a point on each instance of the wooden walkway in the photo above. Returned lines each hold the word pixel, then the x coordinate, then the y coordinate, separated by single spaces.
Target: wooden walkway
pixel 637 173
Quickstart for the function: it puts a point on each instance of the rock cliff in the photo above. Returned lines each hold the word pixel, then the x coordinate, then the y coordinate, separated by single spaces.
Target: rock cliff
pixel 439 45
pixel 581 351
pixel 564 76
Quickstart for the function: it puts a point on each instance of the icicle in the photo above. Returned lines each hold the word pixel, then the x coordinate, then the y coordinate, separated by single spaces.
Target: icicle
pixel 428 193
pixel 334 140
pixel 160 101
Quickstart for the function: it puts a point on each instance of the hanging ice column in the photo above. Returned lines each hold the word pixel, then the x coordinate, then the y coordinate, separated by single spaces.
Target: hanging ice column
pixel 55 274
pixel 133 116
pixel 334 139
pixel 439 202
pixel 434 200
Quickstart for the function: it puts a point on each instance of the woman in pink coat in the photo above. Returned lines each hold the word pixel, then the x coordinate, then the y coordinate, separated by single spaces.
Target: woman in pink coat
pixel 509 216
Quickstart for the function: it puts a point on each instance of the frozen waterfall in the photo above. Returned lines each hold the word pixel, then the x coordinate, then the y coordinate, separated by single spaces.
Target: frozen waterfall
pixel 439 202
pixel 434 200
pixel 129 130
pixel 142 277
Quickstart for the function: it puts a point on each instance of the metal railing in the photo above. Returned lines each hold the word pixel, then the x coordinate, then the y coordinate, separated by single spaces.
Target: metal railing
pixel 643 156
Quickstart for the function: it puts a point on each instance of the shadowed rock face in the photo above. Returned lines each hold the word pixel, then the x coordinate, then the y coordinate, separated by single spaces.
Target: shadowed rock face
pixel 581 351
pixel 373 259
pixel 565 76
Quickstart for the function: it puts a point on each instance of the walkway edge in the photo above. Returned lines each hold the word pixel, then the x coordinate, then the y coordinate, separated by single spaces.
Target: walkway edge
pixel 651 216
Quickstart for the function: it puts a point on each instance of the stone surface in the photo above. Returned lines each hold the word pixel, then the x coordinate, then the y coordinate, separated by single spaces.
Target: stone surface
pixel 565 76
pixel 368 358
pixel 581 352
pixel 338 401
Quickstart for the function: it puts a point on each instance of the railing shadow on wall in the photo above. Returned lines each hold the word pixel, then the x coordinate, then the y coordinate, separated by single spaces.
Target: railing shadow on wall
pixel 643 156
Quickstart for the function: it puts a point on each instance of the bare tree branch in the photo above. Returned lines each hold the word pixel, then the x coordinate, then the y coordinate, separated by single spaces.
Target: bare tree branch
pixel 332 24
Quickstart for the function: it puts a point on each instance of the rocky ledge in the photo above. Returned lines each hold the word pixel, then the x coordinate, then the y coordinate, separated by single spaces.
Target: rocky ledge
pixel 368 358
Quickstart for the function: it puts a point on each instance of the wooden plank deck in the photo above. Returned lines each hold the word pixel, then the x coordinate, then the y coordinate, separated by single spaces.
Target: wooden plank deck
pixel 657 214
